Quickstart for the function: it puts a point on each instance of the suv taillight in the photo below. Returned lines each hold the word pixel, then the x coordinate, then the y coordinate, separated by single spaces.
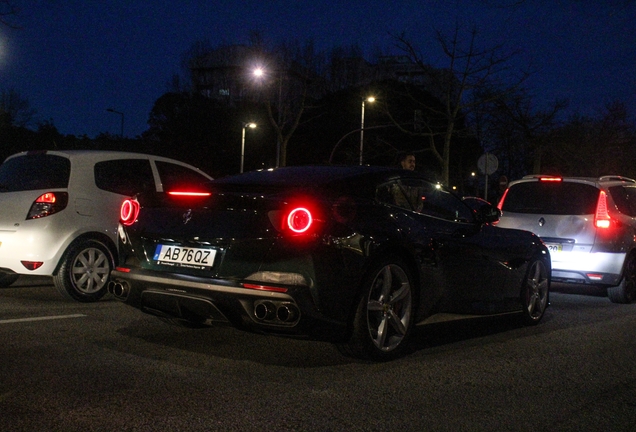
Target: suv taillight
pixel 47 204
pixel 602 217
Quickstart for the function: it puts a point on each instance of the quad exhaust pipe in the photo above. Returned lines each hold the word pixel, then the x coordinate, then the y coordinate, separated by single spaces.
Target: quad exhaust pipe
pixel 119 289
pixel 276 312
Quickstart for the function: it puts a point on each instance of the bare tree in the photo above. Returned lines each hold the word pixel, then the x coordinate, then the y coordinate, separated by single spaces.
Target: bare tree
pixel 7 10
pixel 15 110
pixel 469 70
pixel 297 78
pixel 595 146
pixel 519 131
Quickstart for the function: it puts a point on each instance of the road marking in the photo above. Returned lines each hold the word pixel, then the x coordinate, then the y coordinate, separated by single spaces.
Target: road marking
pixel 44 318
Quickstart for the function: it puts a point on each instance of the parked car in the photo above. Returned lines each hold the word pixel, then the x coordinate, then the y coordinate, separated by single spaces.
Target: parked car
pixel 352 255
pixel 588 224
pixel 59 212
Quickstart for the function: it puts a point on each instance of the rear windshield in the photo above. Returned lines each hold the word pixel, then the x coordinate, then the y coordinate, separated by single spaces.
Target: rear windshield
pixel 558 198
pixel 33 172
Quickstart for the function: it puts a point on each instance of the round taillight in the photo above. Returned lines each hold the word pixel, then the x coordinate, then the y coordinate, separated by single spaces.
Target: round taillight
pixel 299 220
pixel 129 212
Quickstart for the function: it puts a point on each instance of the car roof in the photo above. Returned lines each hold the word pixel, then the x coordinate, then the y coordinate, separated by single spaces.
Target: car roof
pixel 605 180
pixel 308 175
pixel 103 155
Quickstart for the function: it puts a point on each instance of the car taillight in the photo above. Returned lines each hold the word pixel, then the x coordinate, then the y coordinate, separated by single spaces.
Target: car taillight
pixel 551 179
pixel 47 204
pixel 189 194
pixel 129 212
pixel 501 201
pixel 299 220
pixel 602 217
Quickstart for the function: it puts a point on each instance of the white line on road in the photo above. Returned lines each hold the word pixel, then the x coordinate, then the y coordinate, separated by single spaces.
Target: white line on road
pixel 44 318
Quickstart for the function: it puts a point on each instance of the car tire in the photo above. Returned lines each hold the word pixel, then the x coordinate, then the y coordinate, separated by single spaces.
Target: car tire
pixel 384 316
pixel 535 292
pixel 85 271
pixel 625 292
pixel 6 279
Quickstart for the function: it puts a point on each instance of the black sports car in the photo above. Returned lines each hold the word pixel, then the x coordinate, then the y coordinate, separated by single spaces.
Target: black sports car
pixel 352 255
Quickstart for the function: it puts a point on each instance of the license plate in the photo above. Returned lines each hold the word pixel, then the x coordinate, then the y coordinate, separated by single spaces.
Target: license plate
pixel 180 256
pixel 552 247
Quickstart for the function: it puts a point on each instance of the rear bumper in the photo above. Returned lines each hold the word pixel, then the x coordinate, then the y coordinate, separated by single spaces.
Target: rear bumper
pixel 599 268
pixel 212 302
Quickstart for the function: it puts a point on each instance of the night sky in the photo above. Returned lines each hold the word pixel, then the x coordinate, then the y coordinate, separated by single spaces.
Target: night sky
pixel 73 59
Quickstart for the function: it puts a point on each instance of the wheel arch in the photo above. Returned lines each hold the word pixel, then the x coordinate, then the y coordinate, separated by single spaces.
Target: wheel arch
pixel 374 260
pixel 90 236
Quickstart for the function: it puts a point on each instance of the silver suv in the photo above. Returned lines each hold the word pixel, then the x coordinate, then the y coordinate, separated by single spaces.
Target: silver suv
pixel 588 225
pixel 59 212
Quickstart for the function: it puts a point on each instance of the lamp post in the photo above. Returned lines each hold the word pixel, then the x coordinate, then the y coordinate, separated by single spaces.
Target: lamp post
pixel 370 99
pixel 121 133
pixel 245 126
pixel 259 73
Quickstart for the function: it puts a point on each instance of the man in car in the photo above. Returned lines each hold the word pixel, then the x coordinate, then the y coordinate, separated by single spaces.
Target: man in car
pixel 407 161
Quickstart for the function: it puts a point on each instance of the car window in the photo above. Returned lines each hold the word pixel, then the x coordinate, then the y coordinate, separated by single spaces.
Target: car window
pixel 124 176
pixel 625 199
pixel 34 171
pixel 174 176
pixel 424 197
pixel 404 194
pixel 443 204
pixel 558 198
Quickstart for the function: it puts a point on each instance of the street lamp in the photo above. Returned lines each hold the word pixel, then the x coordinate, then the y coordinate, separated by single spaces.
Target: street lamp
pixel 259 73
pixel 245 126
pixel 369 99
pixel 121 133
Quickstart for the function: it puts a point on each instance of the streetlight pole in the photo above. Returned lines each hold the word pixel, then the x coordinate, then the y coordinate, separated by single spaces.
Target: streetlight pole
pixel 368 99
pixel 258 73
pixel 245 126
pixel 121 133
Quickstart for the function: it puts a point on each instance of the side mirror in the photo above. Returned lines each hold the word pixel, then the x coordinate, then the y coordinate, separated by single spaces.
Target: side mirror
pixel 487 213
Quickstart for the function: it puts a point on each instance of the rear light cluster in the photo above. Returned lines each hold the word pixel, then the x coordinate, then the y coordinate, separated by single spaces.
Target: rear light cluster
pixel 602 218
pixel 299 220
pixel 47 204
pixel 129 212
pixel 304 218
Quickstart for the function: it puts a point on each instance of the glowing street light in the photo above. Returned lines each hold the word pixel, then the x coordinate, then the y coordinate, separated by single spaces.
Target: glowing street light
pixel 369 99
pixel 245 126
pixel 259 73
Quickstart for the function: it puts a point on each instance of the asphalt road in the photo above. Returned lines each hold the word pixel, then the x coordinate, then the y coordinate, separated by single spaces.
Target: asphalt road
pixel 67 366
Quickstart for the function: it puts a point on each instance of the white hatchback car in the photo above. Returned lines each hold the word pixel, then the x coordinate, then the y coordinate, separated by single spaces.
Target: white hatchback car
pixel 59 212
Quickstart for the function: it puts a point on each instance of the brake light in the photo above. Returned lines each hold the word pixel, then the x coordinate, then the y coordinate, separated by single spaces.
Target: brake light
pixel 299 220
pixel 501 201
pixel 47 204
pixel 191 194
pixel 550 179
pixel 32 265
pixel 48 197
pixel 264 287
pixel 129 212
pixel 602 217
